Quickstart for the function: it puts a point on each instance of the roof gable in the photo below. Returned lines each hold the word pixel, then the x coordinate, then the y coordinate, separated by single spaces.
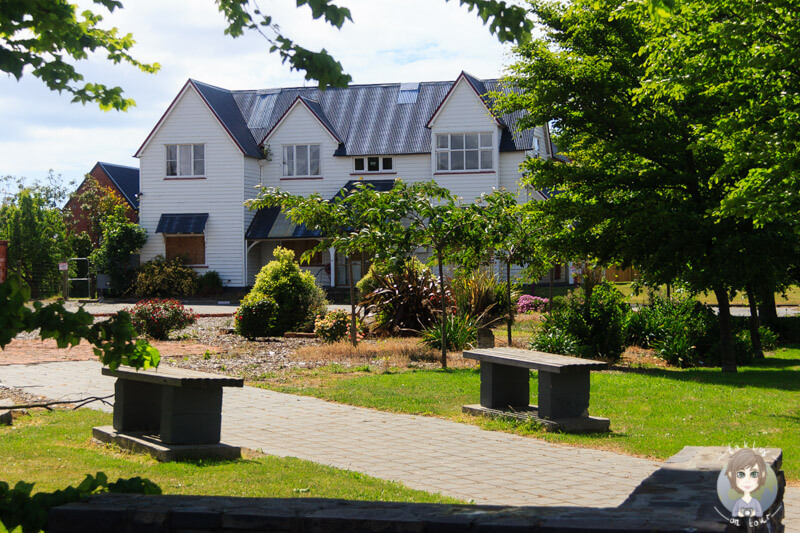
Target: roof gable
pixel 223 107
pixel 376 119
pixel 316 111
pixel 480 90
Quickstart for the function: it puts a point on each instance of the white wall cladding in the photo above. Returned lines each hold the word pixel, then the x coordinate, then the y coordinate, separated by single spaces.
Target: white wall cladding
pixel 463 112
pixel 220 194
pixel 231 178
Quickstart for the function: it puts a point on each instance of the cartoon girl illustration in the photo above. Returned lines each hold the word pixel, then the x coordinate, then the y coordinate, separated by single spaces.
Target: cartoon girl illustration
pixel 746 473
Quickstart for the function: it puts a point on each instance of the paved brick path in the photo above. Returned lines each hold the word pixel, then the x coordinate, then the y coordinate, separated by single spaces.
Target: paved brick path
pixel 422 452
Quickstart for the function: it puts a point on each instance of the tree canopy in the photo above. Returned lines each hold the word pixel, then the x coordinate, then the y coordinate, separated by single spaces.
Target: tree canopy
pixel 643 187
pixel 49 36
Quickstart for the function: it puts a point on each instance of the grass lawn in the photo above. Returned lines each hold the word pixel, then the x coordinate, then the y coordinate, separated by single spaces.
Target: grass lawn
pixel 654 412
pixel 54 450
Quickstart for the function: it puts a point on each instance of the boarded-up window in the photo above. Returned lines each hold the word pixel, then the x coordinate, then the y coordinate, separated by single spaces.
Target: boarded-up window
pixel 191 247
pixel 300 246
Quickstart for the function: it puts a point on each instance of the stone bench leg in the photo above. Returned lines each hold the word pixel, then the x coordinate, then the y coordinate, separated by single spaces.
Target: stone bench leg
pixel 504 386
pixel 191 415
pixel 137 406
pixel 563 395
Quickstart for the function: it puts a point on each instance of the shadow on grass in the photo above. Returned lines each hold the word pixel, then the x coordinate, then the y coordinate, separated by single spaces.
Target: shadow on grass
pixel 768 373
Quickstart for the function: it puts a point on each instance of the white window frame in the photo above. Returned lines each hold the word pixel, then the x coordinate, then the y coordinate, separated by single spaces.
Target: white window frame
pixel 180 160
pixel 485 146
pixel 289 158
pixel 381 164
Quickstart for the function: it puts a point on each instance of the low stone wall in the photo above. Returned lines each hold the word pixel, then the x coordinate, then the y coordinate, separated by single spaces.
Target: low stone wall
pixel 680 496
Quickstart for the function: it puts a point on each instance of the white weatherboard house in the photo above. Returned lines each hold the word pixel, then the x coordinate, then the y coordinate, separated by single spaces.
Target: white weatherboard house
pixel 213 147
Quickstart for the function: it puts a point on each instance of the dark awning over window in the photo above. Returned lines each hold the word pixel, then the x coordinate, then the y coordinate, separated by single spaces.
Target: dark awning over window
pixel 183 223
pixel 271 224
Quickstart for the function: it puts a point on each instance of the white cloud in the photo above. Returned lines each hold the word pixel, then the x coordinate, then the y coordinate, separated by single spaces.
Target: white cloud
pixel 389 41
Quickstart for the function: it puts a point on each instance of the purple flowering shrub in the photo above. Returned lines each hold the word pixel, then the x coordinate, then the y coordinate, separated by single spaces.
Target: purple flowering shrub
pixel 156 318
pixel 531 304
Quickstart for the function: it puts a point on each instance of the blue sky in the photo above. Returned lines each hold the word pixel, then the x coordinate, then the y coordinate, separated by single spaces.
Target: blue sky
pixel 389 41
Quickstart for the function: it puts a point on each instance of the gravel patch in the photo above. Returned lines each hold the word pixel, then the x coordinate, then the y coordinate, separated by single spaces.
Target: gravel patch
pixel 235 355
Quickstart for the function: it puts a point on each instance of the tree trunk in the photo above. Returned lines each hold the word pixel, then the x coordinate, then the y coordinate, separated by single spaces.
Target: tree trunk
pixel 755 336
pixel 508 296
pixel 727 356
pixel 550 291
pixel 353 333
pixel 767 311
pixel 444 309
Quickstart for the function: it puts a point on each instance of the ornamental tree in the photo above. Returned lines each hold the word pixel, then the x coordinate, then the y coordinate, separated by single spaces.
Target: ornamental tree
pixel 513 236
pixel 343 223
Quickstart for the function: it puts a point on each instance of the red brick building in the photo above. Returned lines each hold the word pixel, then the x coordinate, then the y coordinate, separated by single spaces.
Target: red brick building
pixel 121 179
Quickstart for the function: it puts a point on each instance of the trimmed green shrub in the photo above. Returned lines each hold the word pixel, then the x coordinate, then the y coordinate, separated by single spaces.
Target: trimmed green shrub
pixel 598 325
pixel 683 331
pixel 156 318
pixel 368 282
pixel 256 316
pixel 209 284
pixel 335 326
pixel 296 292
pixel 160 277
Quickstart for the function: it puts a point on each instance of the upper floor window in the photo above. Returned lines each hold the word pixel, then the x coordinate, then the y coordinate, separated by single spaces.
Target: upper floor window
pixel 373 164
pixel 186 160
pixel 463 151
pixel 301 160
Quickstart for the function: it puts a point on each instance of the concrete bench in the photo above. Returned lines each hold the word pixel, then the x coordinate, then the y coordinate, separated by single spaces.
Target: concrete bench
pixel 177 412
pixel 563 388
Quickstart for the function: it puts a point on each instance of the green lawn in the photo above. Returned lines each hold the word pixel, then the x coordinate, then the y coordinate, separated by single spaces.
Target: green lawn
pixel 54 450
pixel 653 412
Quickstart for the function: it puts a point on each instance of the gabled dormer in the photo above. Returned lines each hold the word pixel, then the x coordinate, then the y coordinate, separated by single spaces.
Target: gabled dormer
pixel 465 133
pixel 303 138
pixel 223 107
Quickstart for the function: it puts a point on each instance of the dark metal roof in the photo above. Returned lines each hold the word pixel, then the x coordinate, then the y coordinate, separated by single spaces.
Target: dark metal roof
pixel 272 224
pixel 182 223
pixel 378 185
pixel 368 119
pixel 126 179
pixel 223 105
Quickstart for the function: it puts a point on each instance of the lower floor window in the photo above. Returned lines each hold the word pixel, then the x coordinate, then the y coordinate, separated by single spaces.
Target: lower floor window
pixel 191 248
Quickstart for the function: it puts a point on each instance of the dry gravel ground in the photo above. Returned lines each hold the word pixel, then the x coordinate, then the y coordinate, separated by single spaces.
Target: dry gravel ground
pixel 230 353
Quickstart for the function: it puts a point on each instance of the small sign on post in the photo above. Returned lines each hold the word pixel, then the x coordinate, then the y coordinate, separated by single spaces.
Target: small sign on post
pixel 63 266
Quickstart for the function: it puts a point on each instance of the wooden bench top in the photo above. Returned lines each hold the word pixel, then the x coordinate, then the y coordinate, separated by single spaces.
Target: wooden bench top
pixel 175 377
pixel 547 362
